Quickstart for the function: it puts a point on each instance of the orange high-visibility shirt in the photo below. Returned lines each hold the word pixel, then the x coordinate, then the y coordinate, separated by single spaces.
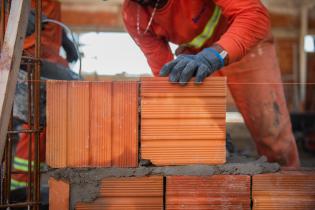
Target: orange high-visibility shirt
pixel 239 26
pixel 51 36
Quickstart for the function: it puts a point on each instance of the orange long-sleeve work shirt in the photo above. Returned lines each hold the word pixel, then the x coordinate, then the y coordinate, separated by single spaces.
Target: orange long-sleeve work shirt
pixel 237 27
pixel 51 35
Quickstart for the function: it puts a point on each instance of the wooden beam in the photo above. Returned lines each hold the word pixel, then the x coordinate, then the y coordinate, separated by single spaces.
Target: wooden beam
pixel 92 21
pixel 98 16
pixel 10 60
pixel 302 53
pixel 284 20
pixel 289 21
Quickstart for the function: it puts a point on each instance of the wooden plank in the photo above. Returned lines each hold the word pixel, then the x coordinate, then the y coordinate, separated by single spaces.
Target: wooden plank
pixel 10 60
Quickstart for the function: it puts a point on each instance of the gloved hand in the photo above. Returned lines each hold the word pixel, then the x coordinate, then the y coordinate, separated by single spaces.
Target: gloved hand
pixel 31 23
pixel 201 65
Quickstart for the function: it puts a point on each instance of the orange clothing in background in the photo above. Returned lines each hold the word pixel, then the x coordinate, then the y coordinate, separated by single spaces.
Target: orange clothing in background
pixel 241 26
pixel 20 161
pixel 51 35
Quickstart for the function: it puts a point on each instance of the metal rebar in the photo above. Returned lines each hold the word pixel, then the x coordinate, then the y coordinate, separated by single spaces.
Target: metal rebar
pixel 29 131
pixel 29 120
pixel 2 22
pixel 3 166
pixel 7 163
pixel 9 4
pixel 2 183
pixel 30 58
pixel 19 205
pixel 9 160
pixel 19 172
pixel 33 173
pixel 5 182
pixel 36 95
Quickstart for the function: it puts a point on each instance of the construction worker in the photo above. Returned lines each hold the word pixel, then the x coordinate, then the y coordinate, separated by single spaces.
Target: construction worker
pixel 53 66
pixel 220 38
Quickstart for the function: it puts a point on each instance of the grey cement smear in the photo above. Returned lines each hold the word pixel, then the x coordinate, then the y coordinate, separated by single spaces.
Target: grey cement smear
pixel 85 182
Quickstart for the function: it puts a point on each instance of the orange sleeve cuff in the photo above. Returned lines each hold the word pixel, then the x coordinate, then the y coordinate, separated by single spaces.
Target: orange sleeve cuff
pixel 231 47
pixel 250 24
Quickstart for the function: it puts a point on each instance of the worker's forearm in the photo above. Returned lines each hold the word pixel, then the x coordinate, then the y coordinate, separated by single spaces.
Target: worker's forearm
pixel 250 25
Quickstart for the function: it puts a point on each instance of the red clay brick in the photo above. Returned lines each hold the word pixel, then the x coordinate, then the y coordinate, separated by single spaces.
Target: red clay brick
pixel 284 191
pixel 226 192
pixel 92 124
pixel 125 124
pixel 101 127
pixel 59 193
pixel 57 124
pixel 78 118
pixel 183 125
pixel 144 193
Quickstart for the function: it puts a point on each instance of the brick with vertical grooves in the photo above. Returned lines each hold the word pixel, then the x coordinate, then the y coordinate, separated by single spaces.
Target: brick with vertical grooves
pixel 78 124
pixel 125 124
pixel 100 125
pixel 287 190
pixel 59 195
pixel 183 125
pixel 57 123
pixel 141 193
pixel 226 192
pixel 95 126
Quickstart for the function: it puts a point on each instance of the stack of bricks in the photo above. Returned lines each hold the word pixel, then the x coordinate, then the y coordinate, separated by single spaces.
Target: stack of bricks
pixel 116 124
pixel 293 190
pixel 95 124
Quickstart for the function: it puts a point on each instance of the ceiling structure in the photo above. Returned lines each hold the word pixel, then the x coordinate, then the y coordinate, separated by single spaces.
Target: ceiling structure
pixel 100 15
pixel 92 15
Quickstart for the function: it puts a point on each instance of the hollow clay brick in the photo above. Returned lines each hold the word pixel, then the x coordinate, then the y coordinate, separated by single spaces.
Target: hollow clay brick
pixel 59 192
pixel 92 124
pixel 125 124
pixel 183 125
pixel 141 193
pixel 290 190
pixel 101 127
pixel 78 117
pixel 56 156
pixel 219 192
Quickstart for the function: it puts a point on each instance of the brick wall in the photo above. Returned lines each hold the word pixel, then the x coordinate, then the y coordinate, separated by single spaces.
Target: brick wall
pixel 293 190
pixel 96 124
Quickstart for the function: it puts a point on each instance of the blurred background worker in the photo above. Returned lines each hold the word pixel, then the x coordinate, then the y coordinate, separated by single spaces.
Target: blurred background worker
pixel 53 66
pixel 228 35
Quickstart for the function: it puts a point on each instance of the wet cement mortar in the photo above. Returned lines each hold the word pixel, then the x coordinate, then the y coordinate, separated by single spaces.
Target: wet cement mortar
pixel 85 182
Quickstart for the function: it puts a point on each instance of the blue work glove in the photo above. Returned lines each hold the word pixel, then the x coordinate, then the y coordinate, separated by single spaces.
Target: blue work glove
pixel 201 65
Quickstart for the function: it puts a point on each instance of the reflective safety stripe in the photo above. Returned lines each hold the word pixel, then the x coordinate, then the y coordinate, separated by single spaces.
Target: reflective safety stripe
pixel 22 164
pixel 17 184
pixel 20 167
pixel 207 32
pixel 20 161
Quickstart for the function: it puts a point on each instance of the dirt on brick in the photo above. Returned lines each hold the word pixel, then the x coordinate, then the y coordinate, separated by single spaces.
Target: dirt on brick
pixel 85 182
